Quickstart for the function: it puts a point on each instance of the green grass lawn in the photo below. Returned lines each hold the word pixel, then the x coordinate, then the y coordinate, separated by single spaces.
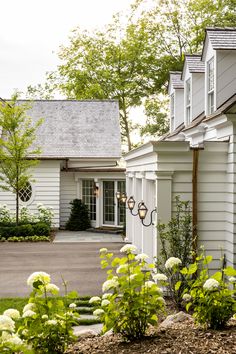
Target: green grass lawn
pixel 12 303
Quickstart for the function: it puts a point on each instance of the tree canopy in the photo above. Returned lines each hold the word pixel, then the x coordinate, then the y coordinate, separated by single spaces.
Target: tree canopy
pixel 130 60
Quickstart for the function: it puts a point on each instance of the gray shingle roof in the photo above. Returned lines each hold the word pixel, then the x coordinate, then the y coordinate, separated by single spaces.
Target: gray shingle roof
pixel 195 64
pixel 77 128
pixel 222 38
pixel 175 79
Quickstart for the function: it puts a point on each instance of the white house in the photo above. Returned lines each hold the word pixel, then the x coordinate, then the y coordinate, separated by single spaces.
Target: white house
pixel 80 143
pixel 196 160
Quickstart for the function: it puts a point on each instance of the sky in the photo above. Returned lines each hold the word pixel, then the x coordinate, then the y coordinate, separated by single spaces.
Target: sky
pixel 31 32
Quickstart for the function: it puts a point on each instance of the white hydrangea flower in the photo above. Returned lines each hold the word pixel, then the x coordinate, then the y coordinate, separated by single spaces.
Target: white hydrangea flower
pixel 105 302
pixel 28 313
pixel 133 276
pixel 25 332
pixel 52 288
pixel 72 305
pixel 94 299
pixel 44 317
pixel 51 322
pixel 106 296
pixel 38 276
pixel 6 323
pixel 122 269
pixel 232 279
pixel 141 257
pixel 98 312
pixel 13 313
pixel 15 340
pixel 187 297
pixel 30 306
pixel 103 250
pixel 172 262
pixel 160 277
pixel 128 249
pixel 109 284
pixel 5 337
pixel 211 284
pixel 149 284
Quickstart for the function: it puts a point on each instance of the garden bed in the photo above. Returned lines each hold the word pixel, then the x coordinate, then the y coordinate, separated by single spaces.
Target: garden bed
pixel 179 339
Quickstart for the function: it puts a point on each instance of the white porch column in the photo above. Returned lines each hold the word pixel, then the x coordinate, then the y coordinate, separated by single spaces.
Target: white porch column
pixel 129 192
pixel 164 199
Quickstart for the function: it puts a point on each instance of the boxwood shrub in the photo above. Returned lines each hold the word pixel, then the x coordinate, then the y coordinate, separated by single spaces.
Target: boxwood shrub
pixel 38 229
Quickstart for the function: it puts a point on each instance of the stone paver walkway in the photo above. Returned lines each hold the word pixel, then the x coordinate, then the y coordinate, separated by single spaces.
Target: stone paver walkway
pixel 86 236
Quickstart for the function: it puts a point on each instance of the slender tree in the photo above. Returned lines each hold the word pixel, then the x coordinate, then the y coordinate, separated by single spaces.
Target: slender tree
pixel 17 134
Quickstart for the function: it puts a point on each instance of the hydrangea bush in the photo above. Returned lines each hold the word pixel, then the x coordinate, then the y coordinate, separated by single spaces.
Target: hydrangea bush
pixel 211 298
pixel 44 214
pixel 131 300
pixel 45 325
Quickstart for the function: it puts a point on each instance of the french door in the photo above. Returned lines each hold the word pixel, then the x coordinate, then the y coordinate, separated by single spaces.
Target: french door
pixel 113 211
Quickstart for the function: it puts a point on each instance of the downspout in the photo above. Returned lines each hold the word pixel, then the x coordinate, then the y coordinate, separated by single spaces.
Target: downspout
pixel 194 202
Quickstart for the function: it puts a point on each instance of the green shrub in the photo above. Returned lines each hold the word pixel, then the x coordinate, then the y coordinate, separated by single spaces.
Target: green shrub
pixel 176 239
pixel 45 324
pixel 134 300
pixel 41 229
pixel 211 298
pixel 79 216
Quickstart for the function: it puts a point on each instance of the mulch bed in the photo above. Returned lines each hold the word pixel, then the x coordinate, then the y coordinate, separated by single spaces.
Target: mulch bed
pixel 182 338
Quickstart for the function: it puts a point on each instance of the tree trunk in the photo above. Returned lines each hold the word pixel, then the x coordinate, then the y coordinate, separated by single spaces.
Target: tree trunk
pixel 17 208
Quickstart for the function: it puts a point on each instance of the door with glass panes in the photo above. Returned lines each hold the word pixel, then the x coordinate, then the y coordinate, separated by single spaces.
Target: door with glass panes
pixel 113 211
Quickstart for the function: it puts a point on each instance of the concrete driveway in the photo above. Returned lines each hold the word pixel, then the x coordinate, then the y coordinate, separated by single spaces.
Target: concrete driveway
pixel 78 263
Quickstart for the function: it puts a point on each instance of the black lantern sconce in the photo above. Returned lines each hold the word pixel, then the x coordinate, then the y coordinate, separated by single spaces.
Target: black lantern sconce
pixel 142 212
pixel 142 209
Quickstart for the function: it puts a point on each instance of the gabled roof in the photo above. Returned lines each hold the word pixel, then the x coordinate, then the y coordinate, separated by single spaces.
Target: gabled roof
pixel 175 80
pixel 195 64
pixel 220 38
pixel 77 129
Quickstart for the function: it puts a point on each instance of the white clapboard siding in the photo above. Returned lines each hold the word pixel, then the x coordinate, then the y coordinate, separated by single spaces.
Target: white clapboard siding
pixel 68 192
pixel 198 96
pixel 179 107
pixel 226 75
pixel 46 187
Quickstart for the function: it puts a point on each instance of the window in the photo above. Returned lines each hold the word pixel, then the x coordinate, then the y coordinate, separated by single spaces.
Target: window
pixel 172 110
pixel 188 101
pixel 121 206
pixel 210 86
pixel 25 193
pixel 89 197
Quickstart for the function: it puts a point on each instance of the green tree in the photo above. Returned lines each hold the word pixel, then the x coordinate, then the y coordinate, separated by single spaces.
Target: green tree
pixel 156 111
pixel 16 139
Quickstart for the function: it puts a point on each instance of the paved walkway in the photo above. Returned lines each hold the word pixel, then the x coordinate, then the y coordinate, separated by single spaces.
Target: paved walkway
pixel 86 236
pixel 77 262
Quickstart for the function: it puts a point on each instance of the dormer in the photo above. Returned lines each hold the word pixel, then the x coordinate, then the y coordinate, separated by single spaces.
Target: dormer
pixel 219 55
pixel 194 81
pixel 176 93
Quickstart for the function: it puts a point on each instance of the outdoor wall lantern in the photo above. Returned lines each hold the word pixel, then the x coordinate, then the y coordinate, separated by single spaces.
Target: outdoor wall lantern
pixel 121 197
pixel 142 212
pixel 131 203
pixel 95 190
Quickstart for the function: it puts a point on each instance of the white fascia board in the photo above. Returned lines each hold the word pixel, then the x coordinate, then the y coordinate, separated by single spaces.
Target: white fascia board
pixel 216 146
pixel 217 122
pixel 140 151
pixel 169 146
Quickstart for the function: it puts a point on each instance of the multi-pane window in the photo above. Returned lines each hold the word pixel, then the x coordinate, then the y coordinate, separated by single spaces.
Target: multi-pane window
pixel 188 100
pixel 89 197
pixel 108 202
pixel 172 110
pixel 25 193
pixel 210 86
pixel 121 206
